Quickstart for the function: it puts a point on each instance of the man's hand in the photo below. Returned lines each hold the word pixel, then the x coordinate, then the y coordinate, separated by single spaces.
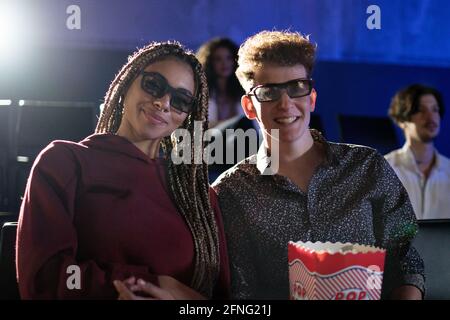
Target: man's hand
pixel 406 293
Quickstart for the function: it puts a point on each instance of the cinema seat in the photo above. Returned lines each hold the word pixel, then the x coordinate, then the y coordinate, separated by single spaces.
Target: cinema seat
pixel 9 289
pixel 433 244
pixel 376 132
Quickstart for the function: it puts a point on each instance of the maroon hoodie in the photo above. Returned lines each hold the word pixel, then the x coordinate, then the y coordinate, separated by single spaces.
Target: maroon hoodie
pixel 104 206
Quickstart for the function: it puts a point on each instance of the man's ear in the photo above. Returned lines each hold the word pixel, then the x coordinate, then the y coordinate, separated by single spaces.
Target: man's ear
pixel 313 98
pixel 248 107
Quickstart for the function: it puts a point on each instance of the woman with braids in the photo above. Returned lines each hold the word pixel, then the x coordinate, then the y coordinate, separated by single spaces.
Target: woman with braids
pixel 100 214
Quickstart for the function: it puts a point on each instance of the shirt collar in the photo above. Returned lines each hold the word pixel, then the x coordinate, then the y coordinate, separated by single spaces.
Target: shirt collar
pixel 439 164
pixel 263 159
pixel 409 161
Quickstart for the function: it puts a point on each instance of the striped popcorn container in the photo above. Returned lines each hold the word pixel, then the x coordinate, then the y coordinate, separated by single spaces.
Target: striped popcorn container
pixel 335 271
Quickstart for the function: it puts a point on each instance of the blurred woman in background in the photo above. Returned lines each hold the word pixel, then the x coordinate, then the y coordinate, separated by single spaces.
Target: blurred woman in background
pixel 219 59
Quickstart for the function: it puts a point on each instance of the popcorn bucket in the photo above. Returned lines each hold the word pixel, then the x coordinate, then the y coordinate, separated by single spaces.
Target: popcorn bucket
pixel 335 271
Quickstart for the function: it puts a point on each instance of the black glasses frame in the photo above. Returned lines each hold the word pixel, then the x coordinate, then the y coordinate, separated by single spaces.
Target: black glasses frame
pixel 167 89
pixel 284 85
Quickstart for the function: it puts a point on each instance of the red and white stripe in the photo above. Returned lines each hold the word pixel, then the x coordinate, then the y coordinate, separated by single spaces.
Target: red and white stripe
pixel 325 287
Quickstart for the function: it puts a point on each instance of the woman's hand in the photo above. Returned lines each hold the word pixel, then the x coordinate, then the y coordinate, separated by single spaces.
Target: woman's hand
pixel 168 289
pixel 131 289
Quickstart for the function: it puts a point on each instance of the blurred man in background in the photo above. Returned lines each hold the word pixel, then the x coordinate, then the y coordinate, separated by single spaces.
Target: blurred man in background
pixel 424 172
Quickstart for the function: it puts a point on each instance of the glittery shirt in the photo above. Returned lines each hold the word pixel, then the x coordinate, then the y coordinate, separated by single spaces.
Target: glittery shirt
pixel 353 196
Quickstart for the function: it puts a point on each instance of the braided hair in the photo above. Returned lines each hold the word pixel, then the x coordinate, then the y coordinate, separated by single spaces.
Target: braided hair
pixel 188 183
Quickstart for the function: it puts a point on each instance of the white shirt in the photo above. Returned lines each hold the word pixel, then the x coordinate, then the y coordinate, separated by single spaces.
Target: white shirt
pixel 213 110
pixel 430 198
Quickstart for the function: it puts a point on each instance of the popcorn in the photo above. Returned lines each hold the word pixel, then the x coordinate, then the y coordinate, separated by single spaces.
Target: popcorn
pixel 335 271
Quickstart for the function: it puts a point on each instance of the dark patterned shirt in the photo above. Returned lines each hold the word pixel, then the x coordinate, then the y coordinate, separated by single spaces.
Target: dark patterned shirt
pixel 354 196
